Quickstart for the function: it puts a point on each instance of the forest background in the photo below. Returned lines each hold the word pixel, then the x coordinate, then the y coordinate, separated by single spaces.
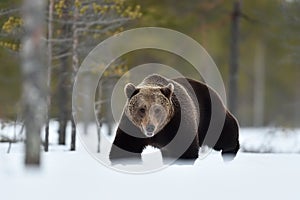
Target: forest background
pixel 268 57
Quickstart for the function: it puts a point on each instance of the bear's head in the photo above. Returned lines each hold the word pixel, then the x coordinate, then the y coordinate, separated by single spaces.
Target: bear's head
pixel 149 107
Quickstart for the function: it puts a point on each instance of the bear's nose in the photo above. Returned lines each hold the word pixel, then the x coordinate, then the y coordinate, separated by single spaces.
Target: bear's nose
pixel 150 128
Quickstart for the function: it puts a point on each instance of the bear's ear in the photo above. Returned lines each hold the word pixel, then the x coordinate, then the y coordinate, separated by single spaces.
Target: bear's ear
pixel 168 90
pixel 130 90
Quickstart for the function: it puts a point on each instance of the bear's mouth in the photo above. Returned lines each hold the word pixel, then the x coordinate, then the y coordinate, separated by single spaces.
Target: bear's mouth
pixel 149 134
pixel 149 130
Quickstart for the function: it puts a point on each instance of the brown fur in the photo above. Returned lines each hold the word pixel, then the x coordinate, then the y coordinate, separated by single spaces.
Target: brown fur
pixel 185 105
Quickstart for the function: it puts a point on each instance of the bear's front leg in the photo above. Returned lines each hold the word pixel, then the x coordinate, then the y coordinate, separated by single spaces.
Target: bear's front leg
pixel 177 157
pixel 126 149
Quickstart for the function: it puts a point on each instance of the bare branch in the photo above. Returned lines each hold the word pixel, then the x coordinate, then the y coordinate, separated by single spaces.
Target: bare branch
pixel 9 11
pixel 59 40
pixel 61 56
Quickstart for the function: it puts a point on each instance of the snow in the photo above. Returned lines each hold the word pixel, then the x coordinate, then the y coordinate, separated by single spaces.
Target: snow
pixel 270 140
pixel 77 175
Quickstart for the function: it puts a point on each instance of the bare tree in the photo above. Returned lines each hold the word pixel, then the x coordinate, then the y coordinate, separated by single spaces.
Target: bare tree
pixel 62 47
pixel 234 57
pixel 74 27
pixel 50 35
pixel 34 76
pixel 89 21
pixel 75 65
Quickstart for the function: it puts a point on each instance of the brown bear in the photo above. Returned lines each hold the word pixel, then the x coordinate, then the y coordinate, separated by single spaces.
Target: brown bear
pixel 175 116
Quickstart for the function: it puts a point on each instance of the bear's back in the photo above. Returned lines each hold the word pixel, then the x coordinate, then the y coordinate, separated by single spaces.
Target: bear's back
pixel 155 80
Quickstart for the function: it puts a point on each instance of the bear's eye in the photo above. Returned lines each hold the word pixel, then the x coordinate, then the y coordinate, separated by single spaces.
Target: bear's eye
pixel 157 111
pixel 142 110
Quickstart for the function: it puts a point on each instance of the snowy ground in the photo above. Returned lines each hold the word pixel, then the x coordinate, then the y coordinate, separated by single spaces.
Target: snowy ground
pixel 76 175
pixel 270 140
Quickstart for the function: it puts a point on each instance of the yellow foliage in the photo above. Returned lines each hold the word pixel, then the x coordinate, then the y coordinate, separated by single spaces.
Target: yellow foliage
pixel 132 13
pixel 117 6
pixel 59 6
pixel 77 3
pixel 11 24
pixel 119 30
pixel 83 10
pixel 10 45
pixel 99 8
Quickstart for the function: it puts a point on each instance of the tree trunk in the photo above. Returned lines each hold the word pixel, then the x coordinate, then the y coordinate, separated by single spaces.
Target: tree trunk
pixel 234 57
pixel 297 103
pixel 63 100
pixel 109 119
pixel 259 85
pixel 98 108
pixel 73 135
pixel 75 65
pixel 63 96
pixel 51 3
pixel 34 75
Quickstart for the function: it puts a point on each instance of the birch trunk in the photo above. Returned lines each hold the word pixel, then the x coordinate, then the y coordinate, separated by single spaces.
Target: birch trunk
pixel 75 64
pixel 34 92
